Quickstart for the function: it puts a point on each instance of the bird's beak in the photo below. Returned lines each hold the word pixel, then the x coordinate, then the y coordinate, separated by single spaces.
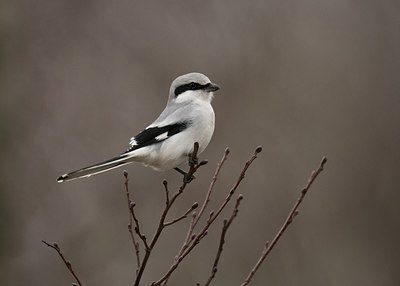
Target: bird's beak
pixel 211 87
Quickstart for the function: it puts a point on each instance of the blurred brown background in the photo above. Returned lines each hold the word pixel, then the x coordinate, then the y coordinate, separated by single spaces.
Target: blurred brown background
pixel 302 78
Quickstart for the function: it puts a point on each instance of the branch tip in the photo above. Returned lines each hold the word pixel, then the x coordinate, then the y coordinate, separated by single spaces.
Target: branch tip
pixel 268 246
pixel 259 149
pixel 66 262
pixel 195 205
pixel 227 150
pixel 203 162
pixel 125 174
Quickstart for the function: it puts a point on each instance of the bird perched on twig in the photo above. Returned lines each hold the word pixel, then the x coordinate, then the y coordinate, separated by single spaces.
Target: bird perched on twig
pixel 168 141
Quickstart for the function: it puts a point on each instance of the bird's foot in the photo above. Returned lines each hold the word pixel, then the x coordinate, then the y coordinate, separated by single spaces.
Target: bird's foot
pixel 186 178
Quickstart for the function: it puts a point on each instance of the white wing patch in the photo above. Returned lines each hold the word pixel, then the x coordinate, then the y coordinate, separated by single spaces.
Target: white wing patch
pixel 133 142
pixel 162 136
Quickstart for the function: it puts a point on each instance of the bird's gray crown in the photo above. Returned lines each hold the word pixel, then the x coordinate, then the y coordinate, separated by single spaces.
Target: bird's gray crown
pixel 198 80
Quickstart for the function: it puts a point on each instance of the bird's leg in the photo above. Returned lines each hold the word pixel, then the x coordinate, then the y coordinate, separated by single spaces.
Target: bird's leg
pixel 180 171
pixel 185 176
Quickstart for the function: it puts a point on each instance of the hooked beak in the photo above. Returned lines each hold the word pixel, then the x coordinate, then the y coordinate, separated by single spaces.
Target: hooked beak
pixel 211 87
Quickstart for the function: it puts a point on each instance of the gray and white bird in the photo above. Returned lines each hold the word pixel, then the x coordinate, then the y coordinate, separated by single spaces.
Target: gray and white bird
pixel 167 142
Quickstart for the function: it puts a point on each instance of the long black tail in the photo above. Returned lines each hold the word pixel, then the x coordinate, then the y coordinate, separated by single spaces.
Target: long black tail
pixel 115 162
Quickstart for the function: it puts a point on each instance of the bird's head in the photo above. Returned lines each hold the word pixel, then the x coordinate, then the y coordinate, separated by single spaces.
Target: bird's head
pixel 192 87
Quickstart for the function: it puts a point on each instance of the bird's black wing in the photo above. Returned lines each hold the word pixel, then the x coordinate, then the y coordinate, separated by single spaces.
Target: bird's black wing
pixel 154 135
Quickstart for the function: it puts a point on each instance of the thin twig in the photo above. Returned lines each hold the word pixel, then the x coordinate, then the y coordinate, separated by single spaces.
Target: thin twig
pixel 210 189
pixel 212 218
pixel 66 262
pixel 193 207
pixel 268 246
pixel 137 227
pixel 165 183
pixel 225 227
pixel 135 244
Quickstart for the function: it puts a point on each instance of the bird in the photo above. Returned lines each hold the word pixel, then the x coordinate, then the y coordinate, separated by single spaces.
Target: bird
pixel 168 142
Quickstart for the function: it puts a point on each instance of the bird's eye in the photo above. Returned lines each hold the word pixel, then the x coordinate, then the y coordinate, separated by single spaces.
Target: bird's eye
pixel 193 85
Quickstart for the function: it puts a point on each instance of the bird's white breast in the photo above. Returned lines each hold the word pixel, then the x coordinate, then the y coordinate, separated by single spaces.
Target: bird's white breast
pixel 175 150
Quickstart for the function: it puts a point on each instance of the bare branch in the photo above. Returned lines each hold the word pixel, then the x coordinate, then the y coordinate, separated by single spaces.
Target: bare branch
pixel 66 262
pixel 212 218
pixel 225 227
pixel 205 203
pixel 137 227
pixel 193 167
pixel 210 189
pixel 135 244
pixel 268 246
pixel 192 239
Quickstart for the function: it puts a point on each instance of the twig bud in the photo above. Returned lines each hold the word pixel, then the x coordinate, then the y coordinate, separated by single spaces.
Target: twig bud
pixel 232 191
pixel 240 197
pixel 55 244
pixel 132 205
pixel 165 183
pixel 194 215
pixel 259 149
pixel 211 213
pixel 125 174
pixel 296 212
pixel 225 221
pixel 324 160
pixel 227 151
pixel 203 162
pixel 304 191
pixel 215 269
pixel 195 205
